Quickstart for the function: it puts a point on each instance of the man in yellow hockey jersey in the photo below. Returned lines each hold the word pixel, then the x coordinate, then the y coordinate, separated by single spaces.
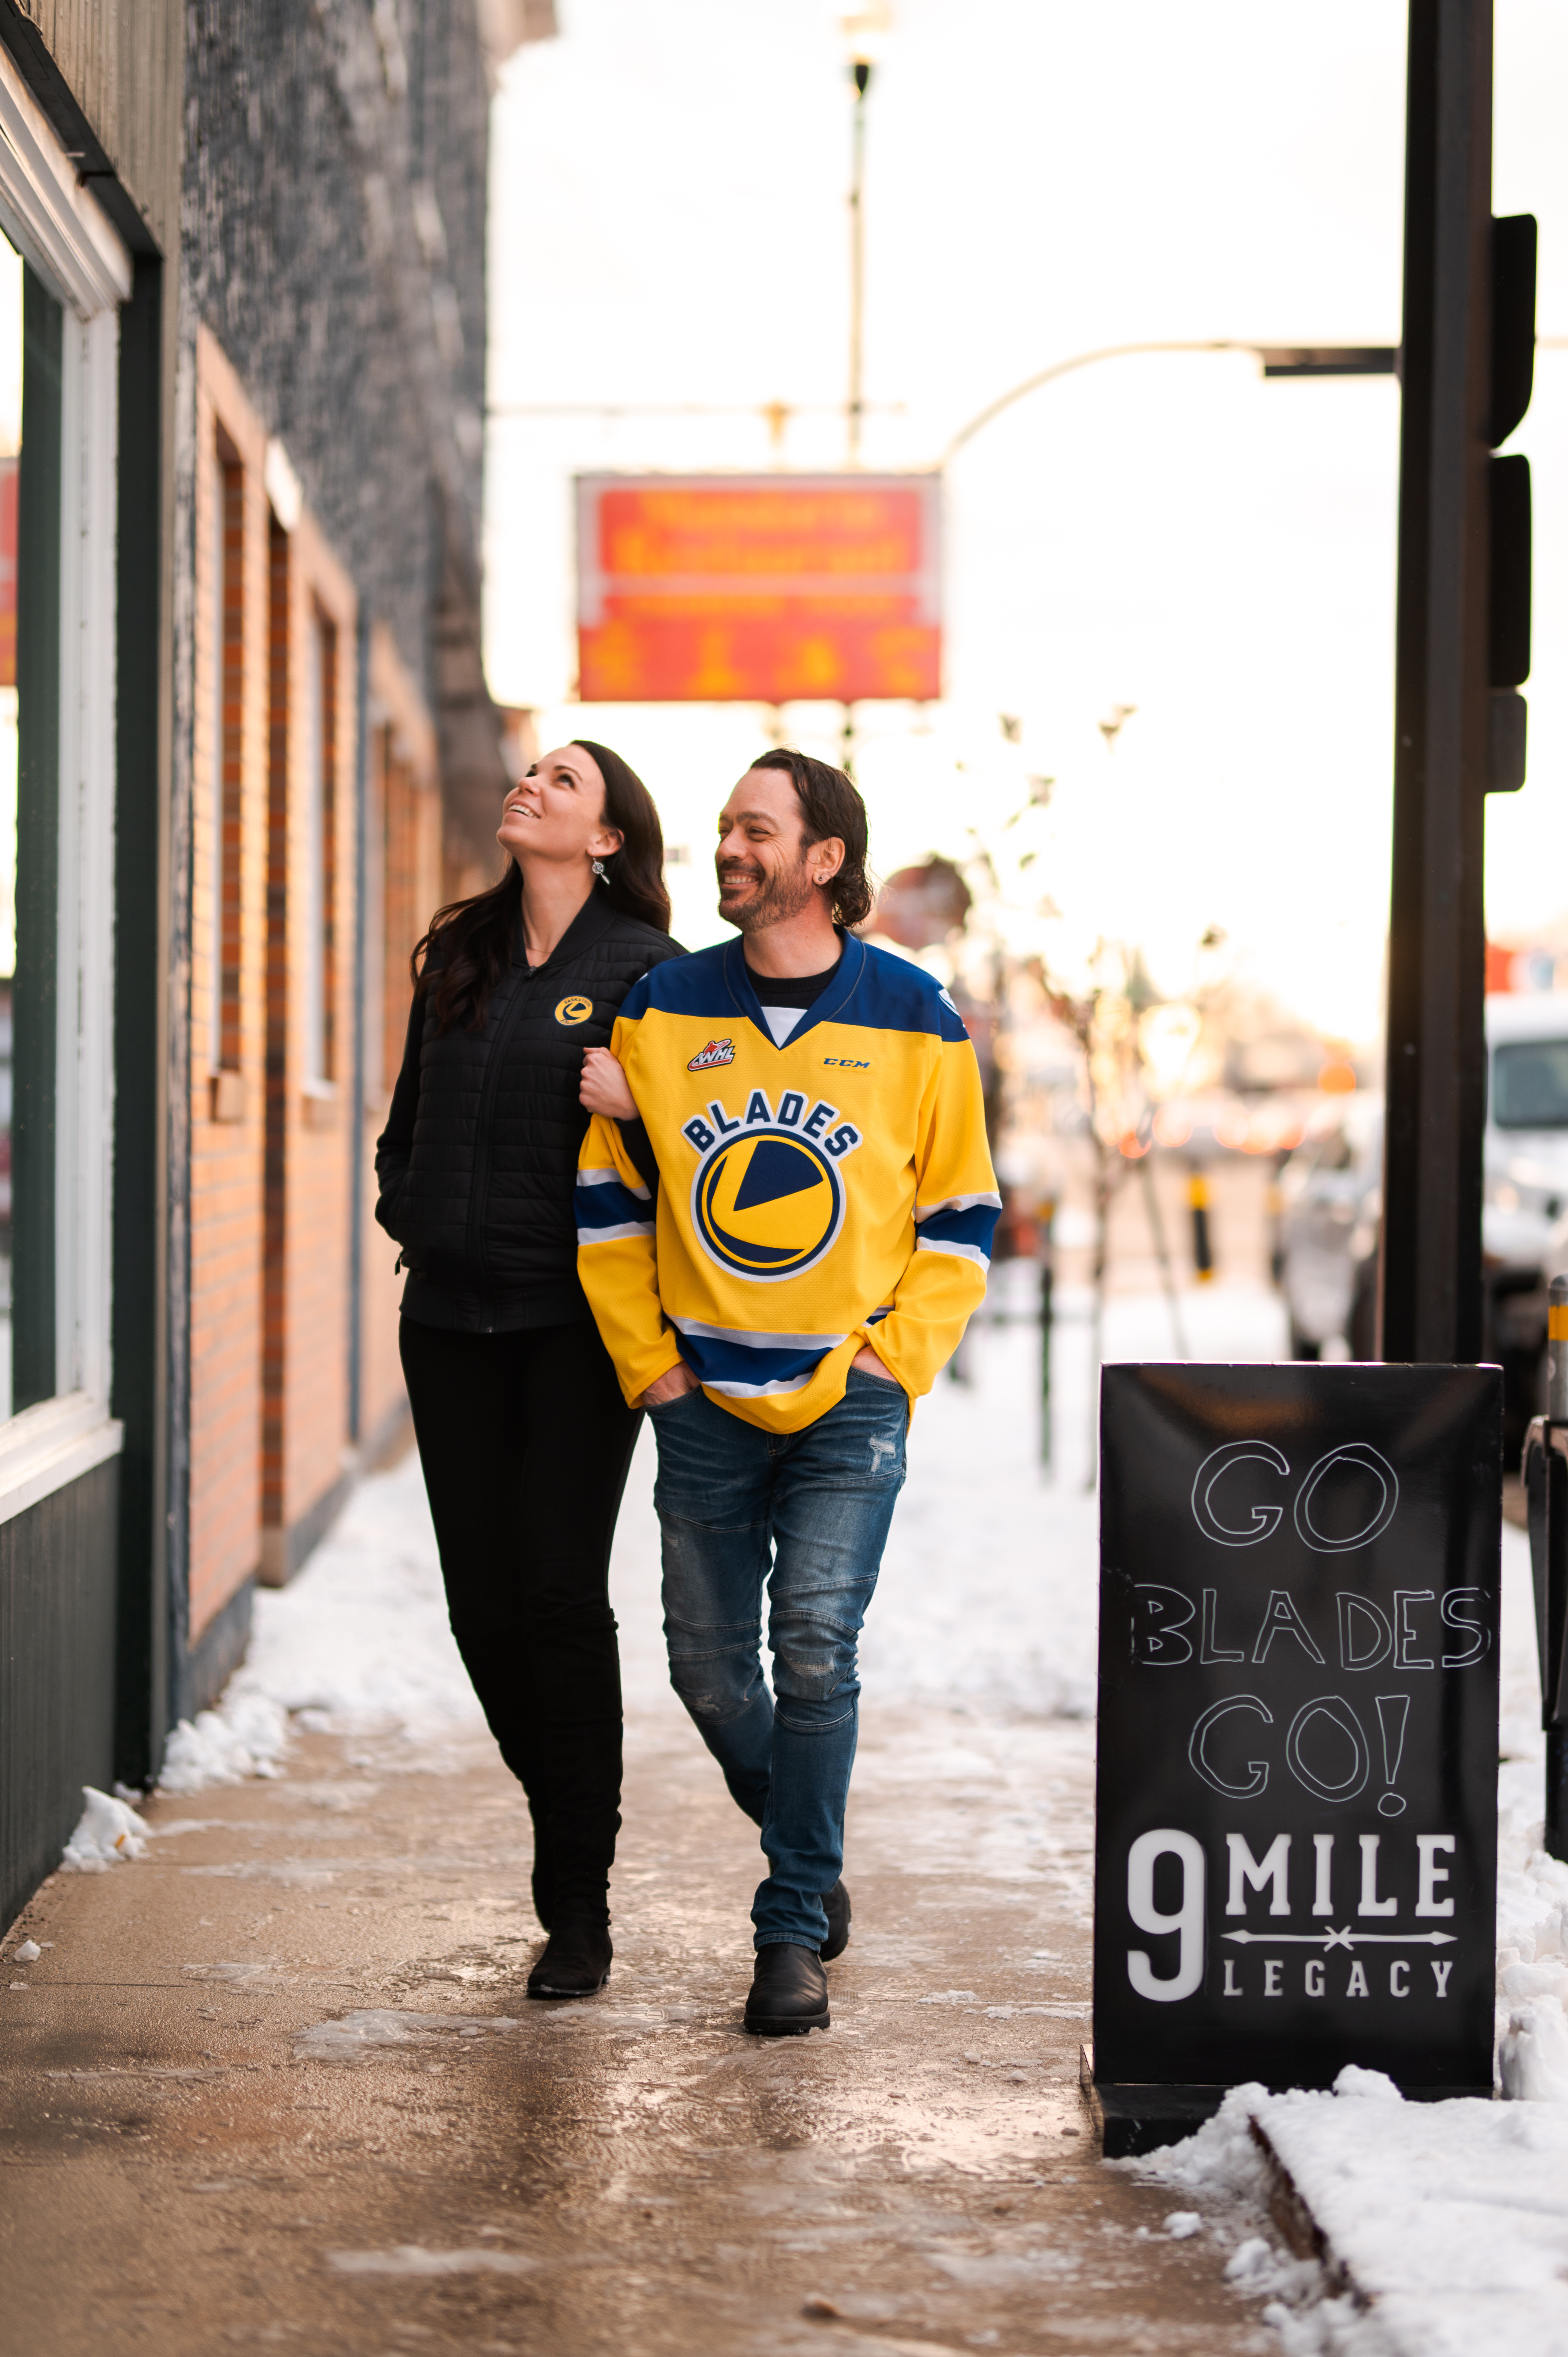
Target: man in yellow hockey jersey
pixel 785 1206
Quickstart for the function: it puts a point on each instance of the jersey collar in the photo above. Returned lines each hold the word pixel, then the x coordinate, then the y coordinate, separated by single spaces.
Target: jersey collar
pixel 825 1009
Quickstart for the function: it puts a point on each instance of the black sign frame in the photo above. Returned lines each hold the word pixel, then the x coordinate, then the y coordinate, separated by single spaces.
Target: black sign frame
pixel 1295 1832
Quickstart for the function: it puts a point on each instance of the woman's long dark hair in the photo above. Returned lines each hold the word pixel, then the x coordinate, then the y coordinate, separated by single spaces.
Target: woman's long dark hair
pixel 469 945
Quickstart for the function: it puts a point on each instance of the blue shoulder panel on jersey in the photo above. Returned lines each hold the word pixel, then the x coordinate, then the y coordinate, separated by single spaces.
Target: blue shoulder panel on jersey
pixel 687 985
pixel 892 995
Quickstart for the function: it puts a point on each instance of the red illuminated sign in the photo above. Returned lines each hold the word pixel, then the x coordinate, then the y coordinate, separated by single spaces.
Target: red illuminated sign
pixel 757 588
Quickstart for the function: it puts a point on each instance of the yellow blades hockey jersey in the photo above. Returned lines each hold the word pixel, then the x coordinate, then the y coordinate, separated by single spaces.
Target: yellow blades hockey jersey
pixel 813 1198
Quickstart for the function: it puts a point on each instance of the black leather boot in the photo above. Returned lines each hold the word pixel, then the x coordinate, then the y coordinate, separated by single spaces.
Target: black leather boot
pixel 836 1901
pixel 575 1963
pixel 789 1994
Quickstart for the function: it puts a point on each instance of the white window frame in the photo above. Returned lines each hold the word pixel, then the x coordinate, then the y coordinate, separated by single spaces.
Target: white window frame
pixel 64 234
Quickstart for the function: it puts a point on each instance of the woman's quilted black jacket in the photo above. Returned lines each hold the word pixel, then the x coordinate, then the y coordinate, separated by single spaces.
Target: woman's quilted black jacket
pixel 479 1154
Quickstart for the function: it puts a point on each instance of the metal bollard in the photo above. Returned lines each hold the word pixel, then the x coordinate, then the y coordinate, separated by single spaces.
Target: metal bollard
pixel 1557 1350
pixel 1546 1490
pixel 1202 1235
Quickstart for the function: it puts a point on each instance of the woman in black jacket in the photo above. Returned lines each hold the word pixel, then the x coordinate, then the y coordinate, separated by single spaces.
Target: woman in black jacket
pixel 522 1432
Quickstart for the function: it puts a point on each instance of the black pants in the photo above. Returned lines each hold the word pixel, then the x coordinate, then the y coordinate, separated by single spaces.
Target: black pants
pixel 525 1442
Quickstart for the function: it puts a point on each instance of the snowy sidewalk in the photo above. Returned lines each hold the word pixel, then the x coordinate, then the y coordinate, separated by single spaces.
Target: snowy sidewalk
pixel 289 2038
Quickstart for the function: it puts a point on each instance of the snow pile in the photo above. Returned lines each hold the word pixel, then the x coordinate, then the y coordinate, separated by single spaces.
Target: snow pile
pixel 1533 1980
pixel 360 1637
pixel 247 1737
pixel 1449 2221
pixel 358 1641
pixel 1451 2218
pixel 1533 1888
pixel 1533 1977
pixel 109 1832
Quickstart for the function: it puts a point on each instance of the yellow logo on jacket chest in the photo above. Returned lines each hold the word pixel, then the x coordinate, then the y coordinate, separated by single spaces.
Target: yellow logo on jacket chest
pixel 768 1198
pixel 574 1010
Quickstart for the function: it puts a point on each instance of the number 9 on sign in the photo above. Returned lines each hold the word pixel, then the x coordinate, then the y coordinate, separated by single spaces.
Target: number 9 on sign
pixel 1187 1918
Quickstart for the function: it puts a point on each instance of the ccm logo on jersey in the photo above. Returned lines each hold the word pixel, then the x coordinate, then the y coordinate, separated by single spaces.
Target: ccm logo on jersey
pixel 822 1125
pixel 717 1052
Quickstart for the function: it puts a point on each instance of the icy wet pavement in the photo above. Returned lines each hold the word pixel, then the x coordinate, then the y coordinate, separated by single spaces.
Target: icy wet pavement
pixel 276 2086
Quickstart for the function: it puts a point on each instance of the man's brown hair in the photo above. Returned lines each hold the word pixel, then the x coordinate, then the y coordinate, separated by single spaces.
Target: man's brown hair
pixel 829 805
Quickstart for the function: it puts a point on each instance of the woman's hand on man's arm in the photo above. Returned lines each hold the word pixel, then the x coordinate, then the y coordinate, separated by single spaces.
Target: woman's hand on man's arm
pixel 603 1088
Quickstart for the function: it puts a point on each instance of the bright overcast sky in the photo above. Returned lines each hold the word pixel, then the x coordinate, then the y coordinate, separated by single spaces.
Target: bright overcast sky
pixel 1173 533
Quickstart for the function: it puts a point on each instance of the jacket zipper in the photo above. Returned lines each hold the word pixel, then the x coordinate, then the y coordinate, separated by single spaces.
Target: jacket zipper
pixel 478 1196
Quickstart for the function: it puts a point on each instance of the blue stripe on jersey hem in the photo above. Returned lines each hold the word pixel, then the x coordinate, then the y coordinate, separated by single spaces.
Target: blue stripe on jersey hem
pixel 743 1371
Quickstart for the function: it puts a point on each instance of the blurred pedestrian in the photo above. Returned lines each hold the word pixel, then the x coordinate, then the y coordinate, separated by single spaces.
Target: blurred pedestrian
pixel 523 1436
pixel 813 1108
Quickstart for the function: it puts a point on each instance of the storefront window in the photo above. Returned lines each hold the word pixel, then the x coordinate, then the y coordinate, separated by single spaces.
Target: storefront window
pixel 64 274
pixel 34 834
pixel 10 447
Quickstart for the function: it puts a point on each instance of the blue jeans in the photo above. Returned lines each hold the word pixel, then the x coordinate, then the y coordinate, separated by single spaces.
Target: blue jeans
pixel 806 1515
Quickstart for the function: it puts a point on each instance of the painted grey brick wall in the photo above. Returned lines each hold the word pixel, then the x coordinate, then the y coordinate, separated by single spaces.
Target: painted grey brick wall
pixel 333 240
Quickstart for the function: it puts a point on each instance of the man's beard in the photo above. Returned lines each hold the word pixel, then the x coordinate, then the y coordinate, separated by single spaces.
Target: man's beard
pixel 778 898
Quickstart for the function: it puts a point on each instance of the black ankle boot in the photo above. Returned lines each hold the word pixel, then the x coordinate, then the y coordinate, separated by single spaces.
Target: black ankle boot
pixel 575 1963
pixel 789 1994
pixel 836 1901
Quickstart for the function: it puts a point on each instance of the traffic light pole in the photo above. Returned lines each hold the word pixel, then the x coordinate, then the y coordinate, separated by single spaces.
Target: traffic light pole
pixel 1447 732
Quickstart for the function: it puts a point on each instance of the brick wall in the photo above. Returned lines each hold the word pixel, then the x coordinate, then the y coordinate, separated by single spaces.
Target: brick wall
pixel 331 325
pixel 273 1105
pixel 228 984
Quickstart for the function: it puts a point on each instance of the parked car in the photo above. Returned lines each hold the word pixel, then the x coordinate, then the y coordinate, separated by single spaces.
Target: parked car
pixel 1331 1198
pixel 1525 1223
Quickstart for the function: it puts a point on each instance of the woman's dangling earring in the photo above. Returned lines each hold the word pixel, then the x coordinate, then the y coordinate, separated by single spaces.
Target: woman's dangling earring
pixel 598 867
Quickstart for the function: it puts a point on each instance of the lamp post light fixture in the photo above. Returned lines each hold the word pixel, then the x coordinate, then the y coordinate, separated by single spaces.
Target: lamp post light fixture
pixel 1275 359
pixel 865 30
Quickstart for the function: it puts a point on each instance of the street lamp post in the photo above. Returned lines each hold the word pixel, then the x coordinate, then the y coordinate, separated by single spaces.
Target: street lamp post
pixel 863 31
pixel 860 70
pixel 1462 639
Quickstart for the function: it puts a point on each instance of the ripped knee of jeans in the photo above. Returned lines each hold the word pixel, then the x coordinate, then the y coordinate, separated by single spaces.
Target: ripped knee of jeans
pixel 710 1696
pixel 817 1676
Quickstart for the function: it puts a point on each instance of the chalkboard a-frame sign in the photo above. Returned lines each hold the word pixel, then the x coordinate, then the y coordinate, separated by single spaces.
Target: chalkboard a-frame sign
pixel 1295 1848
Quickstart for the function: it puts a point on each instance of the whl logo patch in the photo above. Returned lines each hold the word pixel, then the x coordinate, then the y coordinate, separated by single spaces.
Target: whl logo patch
pixel 717 1052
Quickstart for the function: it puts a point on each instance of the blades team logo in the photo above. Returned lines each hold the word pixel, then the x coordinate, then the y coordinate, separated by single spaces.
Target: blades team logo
pixel 767 1200
pixel 717 1052
pixel 574 1010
